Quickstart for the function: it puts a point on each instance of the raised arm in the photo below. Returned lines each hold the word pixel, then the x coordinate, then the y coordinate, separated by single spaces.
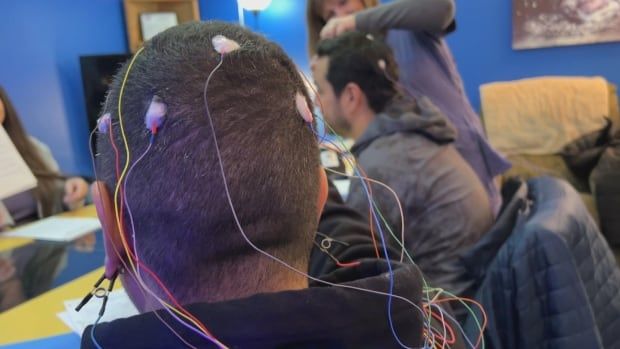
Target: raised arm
pixel 432 16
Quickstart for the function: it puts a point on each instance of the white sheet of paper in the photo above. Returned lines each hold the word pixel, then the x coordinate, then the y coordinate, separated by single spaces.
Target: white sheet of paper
pixel 61 229
pixel 156 22
pixel 119 306
pixel 15 175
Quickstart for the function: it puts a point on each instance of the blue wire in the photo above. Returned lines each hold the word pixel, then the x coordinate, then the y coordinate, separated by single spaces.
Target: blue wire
pixel 92 332
pixel 387 258
pixel 389 264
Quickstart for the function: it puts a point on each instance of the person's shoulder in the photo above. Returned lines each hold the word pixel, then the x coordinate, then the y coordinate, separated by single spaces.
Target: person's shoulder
pixel 39 146
pixel 396 153
pixel 44 152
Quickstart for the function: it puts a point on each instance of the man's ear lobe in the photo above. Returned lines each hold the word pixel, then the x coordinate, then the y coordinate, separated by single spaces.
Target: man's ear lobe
pixel 350 97
pixel 104 203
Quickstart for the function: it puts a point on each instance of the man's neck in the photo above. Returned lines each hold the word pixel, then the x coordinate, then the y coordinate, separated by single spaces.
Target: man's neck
pixel 261 278
pixel 364 118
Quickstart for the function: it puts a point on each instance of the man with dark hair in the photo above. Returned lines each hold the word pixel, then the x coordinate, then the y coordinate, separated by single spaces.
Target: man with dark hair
pixel 408 146
pixel 180 196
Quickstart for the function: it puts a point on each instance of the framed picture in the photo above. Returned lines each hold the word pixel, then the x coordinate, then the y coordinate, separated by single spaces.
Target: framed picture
pixel 545 23
pixel 152 23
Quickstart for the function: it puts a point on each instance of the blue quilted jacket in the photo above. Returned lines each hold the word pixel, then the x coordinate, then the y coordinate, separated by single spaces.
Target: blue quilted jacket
pixel 552 280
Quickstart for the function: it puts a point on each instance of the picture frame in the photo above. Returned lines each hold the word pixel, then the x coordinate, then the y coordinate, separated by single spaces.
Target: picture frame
pixel 153 23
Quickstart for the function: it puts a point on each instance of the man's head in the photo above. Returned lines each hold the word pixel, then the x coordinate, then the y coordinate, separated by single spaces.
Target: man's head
pixel 184 227
pixel 318 12
pixel 352 74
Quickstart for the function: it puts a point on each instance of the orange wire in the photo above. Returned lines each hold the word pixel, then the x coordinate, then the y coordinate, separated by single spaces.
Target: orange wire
pixel 484 314
pixel 131 255
pixel 370 216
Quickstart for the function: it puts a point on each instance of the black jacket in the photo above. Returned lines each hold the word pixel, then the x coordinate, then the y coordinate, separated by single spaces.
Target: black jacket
pixel 446 208
pixel 317 317
pixel 548 277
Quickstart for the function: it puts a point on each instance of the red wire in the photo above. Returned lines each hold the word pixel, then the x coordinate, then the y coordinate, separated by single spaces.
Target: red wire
pixel 348 265
pixel 484 314
pixel 370 215
pixel 132 255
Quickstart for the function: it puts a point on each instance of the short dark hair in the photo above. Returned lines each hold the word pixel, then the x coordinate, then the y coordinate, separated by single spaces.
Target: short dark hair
pixel 354 57
pixel 184 225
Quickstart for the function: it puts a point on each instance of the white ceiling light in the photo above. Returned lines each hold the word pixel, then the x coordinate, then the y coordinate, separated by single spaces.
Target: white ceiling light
pixel 254 5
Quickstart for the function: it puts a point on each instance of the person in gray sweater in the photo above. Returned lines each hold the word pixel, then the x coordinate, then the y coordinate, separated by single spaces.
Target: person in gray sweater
pixel 414 29
pixel 408 145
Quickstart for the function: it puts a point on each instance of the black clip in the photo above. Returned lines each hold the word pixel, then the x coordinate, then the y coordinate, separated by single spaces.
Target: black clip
pixel 99 292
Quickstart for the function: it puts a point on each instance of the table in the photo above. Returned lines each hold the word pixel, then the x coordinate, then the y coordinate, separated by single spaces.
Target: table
pixel 34 324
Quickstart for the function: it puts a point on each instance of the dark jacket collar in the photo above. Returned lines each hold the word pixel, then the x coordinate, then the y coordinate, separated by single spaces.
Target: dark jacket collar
pixel 317 317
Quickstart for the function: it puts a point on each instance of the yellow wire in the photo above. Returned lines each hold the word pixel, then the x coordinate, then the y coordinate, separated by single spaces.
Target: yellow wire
pixel 116 192
pixel 120 179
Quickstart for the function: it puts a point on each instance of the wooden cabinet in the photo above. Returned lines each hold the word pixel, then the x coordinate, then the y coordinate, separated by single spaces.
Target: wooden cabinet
pixel 186 11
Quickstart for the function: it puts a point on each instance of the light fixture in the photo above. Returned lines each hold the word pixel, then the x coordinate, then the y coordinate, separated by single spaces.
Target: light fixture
pixel 254 5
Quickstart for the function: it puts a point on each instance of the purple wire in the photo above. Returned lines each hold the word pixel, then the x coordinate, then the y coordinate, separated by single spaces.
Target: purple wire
pixel 131 222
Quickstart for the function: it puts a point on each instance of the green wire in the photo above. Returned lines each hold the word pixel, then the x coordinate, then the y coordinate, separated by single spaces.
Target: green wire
pixel 426 288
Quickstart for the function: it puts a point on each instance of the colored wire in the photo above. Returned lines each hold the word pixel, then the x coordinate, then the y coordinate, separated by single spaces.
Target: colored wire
pixel 344 150
pixel 132 256
pixel 411 259
pixel 389 294
pixel 92 332
pixel 127 153
pixel 130 215
pixel 185 314
pixel 128 251
pixel 403 249
pixel 133 230
pixel 381 235
pixel 92 156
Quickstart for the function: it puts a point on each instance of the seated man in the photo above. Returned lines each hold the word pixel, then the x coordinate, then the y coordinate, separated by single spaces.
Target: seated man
pixel 207 177
pixel 408 146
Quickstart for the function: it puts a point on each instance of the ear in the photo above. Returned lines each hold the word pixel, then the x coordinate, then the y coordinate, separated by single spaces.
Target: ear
pixel 352 99
pixel 323 190
pixel 112 239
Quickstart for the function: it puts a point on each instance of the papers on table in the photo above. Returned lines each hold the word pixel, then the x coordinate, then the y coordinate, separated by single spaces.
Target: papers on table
pixel 15 175
pixel 119 306
pixel 60 229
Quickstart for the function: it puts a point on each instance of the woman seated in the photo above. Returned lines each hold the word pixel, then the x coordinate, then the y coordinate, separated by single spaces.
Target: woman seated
pixel 54 193
pixel 29 270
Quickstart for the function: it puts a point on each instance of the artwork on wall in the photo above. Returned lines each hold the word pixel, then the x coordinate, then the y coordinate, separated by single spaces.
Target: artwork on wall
pixel 545 23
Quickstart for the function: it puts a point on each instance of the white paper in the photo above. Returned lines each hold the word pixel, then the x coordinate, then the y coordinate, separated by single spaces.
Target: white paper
pixel 15 175
pixel 61 229
pixel 156 22
pixel 119 306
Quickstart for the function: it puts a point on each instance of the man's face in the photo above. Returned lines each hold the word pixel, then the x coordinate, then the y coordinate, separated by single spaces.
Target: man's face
pixel 339 8
pixel 327 99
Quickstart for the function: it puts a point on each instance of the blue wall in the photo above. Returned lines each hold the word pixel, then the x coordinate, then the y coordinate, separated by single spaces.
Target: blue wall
pixel 283 22
pixel 39 67
pixel 42 40
pixel 483 51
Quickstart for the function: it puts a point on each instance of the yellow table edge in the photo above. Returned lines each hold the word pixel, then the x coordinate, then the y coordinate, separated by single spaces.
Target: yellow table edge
pixel 37 318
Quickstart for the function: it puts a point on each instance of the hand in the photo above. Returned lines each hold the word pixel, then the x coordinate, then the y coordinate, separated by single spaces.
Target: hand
pixel 86 243
pixel 337 26
pixel 7 269
pixel 76 190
